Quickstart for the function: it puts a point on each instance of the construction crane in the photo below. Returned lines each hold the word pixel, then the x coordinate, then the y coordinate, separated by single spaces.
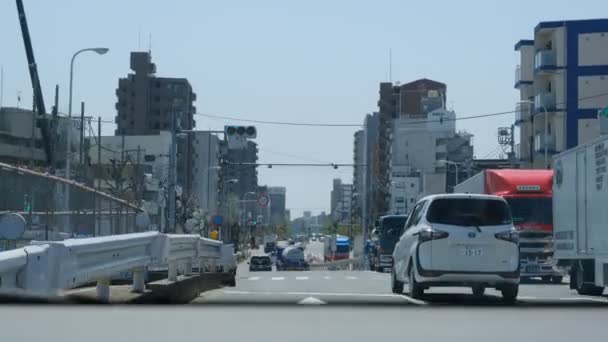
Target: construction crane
pixel 42 121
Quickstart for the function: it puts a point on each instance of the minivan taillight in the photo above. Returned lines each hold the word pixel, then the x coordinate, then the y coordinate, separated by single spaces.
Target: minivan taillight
pixel 509 235
pixel 431 234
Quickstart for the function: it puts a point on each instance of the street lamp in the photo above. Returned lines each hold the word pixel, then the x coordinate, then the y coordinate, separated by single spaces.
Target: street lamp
pixel 99 51
pixel 449 162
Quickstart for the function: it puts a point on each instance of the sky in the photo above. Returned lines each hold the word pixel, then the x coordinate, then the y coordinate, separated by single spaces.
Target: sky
pixel 307 61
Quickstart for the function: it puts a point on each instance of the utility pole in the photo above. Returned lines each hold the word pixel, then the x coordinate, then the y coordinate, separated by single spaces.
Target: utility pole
pixel 171 173
pixel 139 177
pixel 99 172
pixel 81 132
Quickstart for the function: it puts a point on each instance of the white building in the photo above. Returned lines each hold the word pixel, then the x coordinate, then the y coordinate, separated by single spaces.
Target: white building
pixel 405 189
pixel 420 144
pixel 562 79
pixel 205 170
pixel 152 152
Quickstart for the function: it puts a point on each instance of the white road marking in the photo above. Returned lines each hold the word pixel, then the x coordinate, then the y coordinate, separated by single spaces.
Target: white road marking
pixel 327 277
pixel 412 300
pixel 564 299
pixel 254 278
pixel 351 278
pixel 278 278
pixel 311 301
pixel 301 278
pixel 328 294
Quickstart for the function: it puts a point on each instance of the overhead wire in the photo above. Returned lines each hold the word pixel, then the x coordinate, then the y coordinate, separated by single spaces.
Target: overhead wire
pixel 460 118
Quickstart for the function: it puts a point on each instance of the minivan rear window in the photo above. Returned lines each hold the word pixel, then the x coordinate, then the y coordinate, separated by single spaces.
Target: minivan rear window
pixel 469 212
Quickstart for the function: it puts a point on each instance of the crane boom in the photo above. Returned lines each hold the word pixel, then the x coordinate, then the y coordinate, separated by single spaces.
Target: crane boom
pixel 37 89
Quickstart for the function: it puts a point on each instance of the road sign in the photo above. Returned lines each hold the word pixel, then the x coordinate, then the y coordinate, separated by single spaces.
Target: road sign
pixel 263 201
pixel 142 220
pixel 12 226
pixel 217 220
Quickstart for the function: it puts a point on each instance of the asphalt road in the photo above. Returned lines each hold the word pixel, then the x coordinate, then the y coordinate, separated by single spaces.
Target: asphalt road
pixel 366 287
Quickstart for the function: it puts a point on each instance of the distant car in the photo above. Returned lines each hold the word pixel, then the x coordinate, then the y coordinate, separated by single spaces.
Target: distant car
pixel 260 263
pixel 458 240
pixel 321 238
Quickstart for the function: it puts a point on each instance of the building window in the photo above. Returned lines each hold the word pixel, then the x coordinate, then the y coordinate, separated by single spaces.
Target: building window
pixel 156 125
pixel 165 125
pixel 132 123
pixel 549 129
pixel 411 185
pixel 157 84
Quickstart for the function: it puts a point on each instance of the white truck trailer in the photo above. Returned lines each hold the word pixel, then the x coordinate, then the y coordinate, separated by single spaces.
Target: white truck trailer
pixel 580 215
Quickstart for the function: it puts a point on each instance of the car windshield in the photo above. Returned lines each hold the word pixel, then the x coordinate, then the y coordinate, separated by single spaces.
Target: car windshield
pixel 396 223
pixel 260 261
pixel 469 212
pixel 531 210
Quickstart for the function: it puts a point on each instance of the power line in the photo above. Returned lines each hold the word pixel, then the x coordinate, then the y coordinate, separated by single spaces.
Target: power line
pixel 286 123
pixel 278 122
pixel 270 165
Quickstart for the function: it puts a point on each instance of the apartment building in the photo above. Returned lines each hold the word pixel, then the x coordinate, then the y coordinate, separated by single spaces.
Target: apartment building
pixel 147 103
pixel 562 78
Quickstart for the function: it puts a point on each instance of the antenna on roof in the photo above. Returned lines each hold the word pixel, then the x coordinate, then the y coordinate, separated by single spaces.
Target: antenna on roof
pixel 150 43
pixel 390 65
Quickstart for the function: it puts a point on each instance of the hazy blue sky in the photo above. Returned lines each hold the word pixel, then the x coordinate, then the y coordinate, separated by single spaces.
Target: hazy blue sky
pixel 310 61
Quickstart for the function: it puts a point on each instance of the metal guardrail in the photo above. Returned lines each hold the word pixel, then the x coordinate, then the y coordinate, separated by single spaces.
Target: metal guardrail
pixel 353 264
pixel 47 267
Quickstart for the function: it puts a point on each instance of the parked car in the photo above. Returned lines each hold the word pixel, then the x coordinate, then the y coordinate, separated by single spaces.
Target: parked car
pixel 458 240
pixel 260 263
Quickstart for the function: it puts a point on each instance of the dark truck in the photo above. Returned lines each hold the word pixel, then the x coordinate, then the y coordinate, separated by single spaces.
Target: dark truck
pixel 388 231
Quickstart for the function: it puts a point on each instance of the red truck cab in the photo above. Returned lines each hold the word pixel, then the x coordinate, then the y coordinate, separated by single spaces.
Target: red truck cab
pixel 529 193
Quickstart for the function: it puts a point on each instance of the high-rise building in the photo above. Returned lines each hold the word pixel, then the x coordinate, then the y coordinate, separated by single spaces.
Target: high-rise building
pixel 205 170
pixel 277 196
pixel 370 193
pixel 341 202
pixel 146 105
pixel 416 103
pixel 358 175
pixel 562 82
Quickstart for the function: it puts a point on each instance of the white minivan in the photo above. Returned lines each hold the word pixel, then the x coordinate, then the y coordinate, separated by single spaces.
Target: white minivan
pixel 458 240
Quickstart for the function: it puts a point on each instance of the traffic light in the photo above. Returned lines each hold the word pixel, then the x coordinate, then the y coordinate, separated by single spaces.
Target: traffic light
pixel 237 136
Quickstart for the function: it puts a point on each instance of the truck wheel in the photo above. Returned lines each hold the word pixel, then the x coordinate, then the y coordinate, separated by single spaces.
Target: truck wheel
pixel 478 291
pixel 546 279
pixel 557 279
pixel 509 293
pixel 232 282
pixel 396 285
pixel 415 290
pixel 583 287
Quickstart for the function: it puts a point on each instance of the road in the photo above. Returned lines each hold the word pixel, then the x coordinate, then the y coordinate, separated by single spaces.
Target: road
pixel 366 287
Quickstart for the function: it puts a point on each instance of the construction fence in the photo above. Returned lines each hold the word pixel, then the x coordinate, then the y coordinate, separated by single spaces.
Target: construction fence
pixel 53 214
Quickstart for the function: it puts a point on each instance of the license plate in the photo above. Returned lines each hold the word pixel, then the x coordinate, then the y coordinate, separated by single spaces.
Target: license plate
pixel 472 252
pixel 532 269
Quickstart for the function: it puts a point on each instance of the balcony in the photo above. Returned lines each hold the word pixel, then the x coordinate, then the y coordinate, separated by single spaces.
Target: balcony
pixel 545 60
pixel 522 113
pixel 544 101
pixel 549 142
pixel 519 79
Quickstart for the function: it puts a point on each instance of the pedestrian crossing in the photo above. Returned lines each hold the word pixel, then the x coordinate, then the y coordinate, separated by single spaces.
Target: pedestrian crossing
pixel 306 277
